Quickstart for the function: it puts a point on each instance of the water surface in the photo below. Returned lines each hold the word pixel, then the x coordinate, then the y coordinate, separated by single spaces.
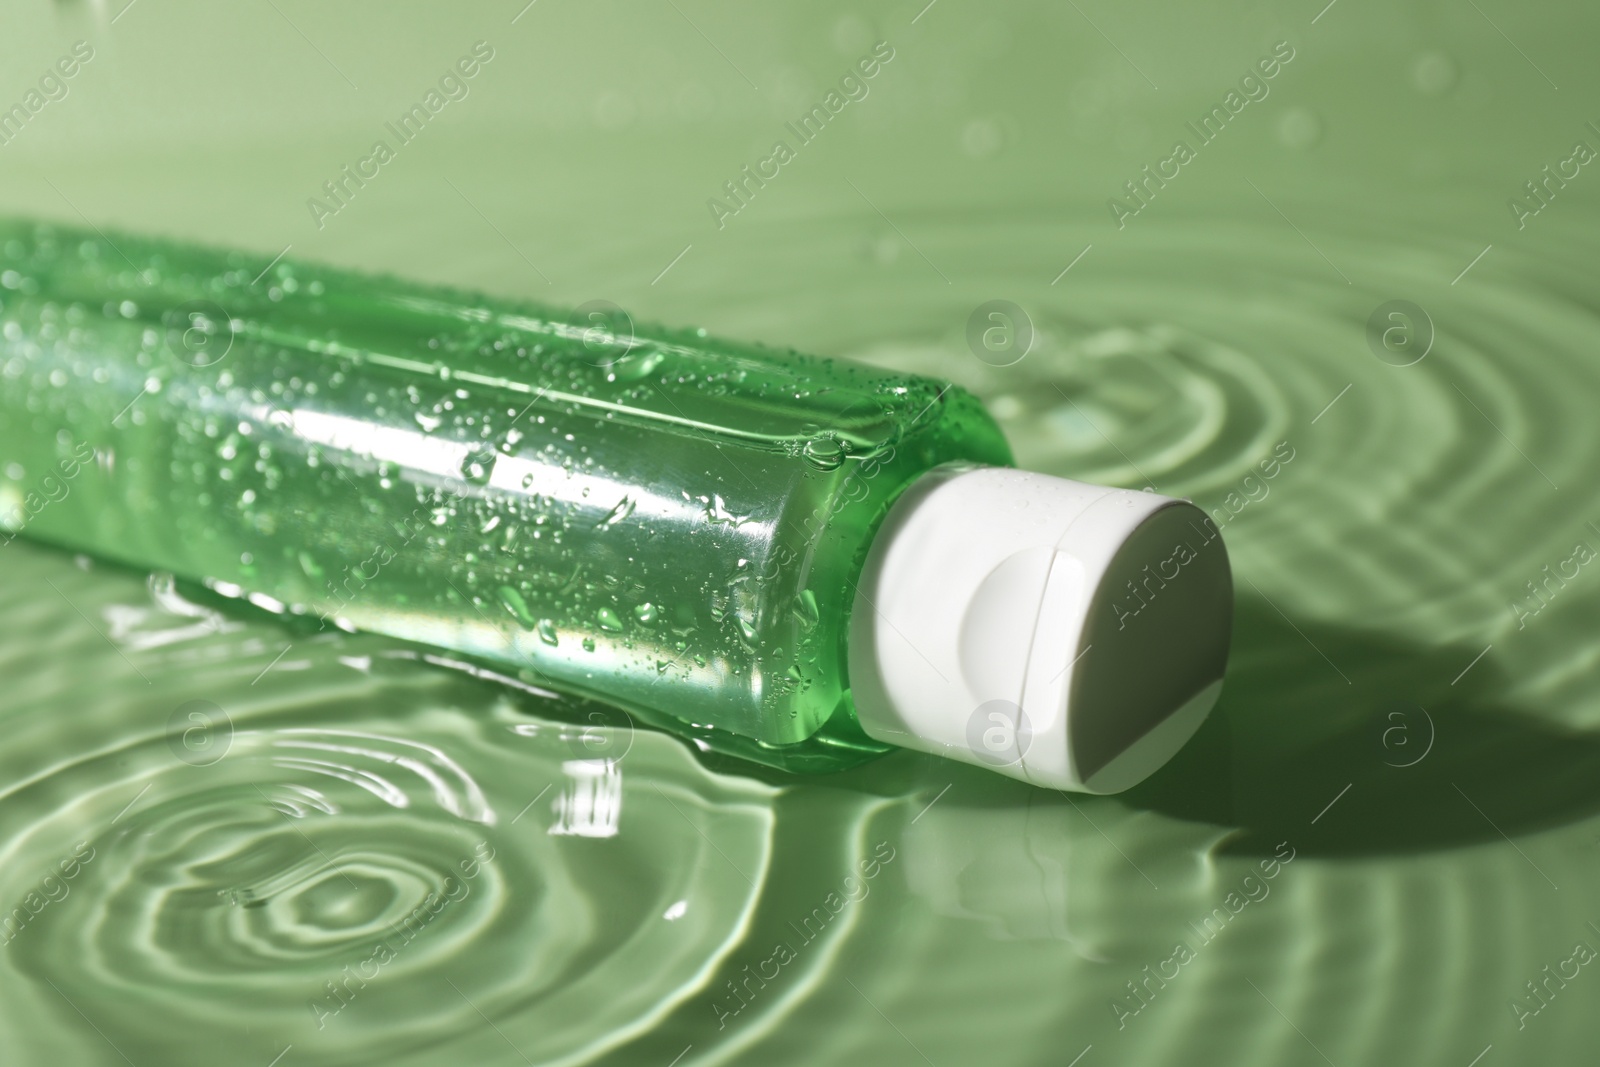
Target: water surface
pixel 1383 836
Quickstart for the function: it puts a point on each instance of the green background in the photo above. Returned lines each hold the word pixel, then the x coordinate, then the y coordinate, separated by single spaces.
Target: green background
pixel 1402 711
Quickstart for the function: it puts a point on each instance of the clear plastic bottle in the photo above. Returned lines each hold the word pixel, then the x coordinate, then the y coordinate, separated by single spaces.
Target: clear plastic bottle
pixel 674 525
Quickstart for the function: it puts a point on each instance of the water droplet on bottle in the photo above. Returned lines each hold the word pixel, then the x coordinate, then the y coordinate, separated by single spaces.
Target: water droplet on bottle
pixel 588 644
pixel 479 465
pixel 745 604
pixel 805 609
pixel 823 453
pixel 719 514
pixel 623 509
pixel 547 632
pixel 635 366
pixel 513 602
pixel 645 612
pixel 608 620
pixel 429 423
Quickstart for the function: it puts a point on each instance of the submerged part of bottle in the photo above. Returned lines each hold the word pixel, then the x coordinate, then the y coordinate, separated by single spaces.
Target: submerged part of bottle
pixel 668 523
pixel 677 526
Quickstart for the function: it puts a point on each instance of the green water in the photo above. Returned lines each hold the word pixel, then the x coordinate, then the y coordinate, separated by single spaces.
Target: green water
pixel 1382 570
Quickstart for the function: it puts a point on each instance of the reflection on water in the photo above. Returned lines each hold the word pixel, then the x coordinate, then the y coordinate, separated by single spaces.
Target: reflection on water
pixel 212 826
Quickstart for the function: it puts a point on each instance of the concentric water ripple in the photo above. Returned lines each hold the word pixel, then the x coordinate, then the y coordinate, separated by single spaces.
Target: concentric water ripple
pixel 390 860
pixel 365 861
pixel 1377 563
pixel 1180 357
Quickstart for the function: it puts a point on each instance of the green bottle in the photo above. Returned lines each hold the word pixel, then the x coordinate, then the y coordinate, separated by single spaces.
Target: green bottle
pixel 717 538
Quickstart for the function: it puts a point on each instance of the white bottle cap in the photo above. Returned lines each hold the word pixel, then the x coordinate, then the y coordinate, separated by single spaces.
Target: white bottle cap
pixel 1066 634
